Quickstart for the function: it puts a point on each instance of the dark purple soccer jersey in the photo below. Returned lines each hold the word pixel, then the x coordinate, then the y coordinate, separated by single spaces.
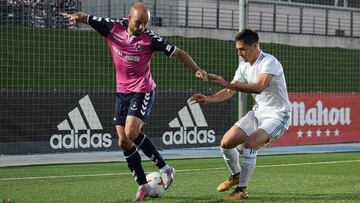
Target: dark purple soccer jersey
pixel 131 54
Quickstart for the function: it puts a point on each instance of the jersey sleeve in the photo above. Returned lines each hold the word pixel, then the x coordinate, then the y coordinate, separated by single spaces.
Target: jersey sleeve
pixel 239 76
pixel 101 25
pixel 271 66
pixel 159 43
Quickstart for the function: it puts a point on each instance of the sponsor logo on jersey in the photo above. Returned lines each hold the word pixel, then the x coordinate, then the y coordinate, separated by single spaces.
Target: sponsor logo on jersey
pixel 138 47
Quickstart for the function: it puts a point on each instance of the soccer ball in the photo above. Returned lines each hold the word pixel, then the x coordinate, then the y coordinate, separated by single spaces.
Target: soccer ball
pixel 155 181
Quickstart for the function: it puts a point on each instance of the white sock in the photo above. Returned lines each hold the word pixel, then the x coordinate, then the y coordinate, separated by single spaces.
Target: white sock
pixel 248 166
pixel 163 169
pixel 231 158
pixel 240 148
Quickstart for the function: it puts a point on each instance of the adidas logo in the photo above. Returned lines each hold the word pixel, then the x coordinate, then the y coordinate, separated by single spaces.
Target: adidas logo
pixel 189 132
pixel 80 134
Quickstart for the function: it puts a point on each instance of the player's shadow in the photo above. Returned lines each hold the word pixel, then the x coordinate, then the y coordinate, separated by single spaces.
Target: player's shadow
pixel 184 199
pixel 260 197
pixel 177 199
pixel 187 199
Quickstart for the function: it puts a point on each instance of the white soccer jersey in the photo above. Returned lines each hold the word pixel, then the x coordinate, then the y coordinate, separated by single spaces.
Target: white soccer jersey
pixel 274 100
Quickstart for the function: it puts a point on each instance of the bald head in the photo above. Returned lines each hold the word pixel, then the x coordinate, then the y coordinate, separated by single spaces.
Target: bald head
pixel 140 8
pixel 138 18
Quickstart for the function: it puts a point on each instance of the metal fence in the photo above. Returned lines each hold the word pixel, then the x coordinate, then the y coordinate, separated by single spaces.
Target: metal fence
pixel 263 15
pixel 304 19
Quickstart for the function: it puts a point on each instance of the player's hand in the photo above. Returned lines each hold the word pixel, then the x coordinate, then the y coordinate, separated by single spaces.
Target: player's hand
pixel 219 80
pixel 202 74
pixel 198 98
pixel 74 18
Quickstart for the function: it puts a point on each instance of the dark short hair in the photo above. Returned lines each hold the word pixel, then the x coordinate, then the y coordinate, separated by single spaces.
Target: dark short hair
pixel 247 36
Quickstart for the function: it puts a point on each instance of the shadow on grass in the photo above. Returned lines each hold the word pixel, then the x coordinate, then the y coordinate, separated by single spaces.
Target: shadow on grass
pixel 185 199
pixel 263 197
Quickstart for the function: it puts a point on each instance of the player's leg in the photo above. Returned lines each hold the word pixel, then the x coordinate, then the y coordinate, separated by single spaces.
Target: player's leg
pixel 247 125
pixel 230 140
pixel 269 128
pixel 132 130
pixel 131 155
pixel 130 151
pixel 149 149
pixel 256 140
pixel 133 159
pixel 140 108
pixel 134 162
pixel 248 164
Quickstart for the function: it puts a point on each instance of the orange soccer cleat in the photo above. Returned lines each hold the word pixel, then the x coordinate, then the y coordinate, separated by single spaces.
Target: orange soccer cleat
pixel 233 180
pixel 239 193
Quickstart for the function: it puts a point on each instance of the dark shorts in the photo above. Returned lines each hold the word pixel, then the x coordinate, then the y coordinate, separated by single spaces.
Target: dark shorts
pixel 135 104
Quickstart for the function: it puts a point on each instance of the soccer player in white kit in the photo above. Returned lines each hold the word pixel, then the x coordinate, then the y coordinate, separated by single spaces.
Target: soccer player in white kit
pixel 262 75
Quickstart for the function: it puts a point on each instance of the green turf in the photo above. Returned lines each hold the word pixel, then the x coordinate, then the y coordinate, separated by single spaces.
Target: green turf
pixel 332 177
pixel 68 60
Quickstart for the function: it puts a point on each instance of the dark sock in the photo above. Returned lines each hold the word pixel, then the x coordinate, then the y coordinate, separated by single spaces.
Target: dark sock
pixel 238 189
pixel 237 175
pixel 133 159
pixel 146 145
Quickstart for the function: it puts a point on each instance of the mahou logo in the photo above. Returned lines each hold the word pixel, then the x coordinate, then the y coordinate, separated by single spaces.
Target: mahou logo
pixel 319 115
pixel 322 118
pixel 193 128
pixel 81 135
pixel 321 121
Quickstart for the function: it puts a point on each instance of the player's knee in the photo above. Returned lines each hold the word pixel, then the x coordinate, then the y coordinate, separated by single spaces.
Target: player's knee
pixel 121 144
pixel 225 145
pixel 124 144
pixel 131 133
pixel 249 144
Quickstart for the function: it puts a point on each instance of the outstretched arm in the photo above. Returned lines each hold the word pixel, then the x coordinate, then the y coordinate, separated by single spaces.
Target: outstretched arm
pixel 219 96
pixel 261 84
pixel 189 62
pixel 79 17
pixel 101 25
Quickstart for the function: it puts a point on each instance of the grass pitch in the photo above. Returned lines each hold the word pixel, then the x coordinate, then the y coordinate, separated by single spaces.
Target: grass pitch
pixel 332 177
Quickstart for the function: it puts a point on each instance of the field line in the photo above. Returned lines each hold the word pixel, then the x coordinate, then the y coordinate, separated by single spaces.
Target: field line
pixel 183 170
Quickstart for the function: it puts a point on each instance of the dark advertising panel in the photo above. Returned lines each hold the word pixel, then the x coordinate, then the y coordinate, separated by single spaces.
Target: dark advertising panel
pixel 43 122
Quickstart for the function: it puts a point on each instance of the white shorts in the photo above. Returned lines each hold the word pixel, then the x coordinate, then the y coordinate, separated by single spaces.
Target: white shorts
pixel 273 125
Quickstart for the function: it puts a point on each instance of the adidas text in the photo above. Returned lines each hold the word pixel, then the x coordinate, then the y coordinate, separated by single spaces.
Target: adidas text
pixel 76 140
pixel 187 136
